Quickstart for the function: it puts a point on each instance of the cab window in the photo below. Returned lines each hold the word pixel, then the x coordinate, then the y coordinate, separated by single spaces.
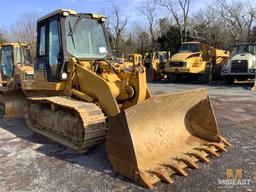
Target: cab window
pixel 54 47
pixel 18 56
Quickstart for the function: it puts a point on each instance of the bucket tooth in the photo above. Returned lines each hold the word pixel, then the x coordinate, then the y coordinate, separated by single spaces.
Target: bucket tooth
pixel 200 156
pixel 219 146
pixel 209 151
pixel 177 169
pixel 189 163
pixel 163 176
pixel 224 141
pixel 144 179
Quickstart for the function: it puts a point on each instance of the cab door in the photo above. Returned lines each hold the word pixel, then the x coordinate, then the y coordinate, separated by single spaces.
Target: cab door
pixel 7 58
pixel 49 45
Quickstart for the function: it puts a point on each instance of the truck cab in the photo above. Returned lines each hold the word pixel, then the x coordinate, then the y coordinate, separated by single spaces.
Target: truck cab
pixel 242 64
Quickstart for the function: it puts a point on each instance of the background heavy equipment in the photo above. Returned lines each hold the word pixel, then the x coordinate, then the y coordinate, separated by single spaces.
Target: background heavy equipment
pixel 15 62
pixel 132 59
pixel 242 64
pixel 135 59
pixel 155 64
pixel 196 60
pixel 77 95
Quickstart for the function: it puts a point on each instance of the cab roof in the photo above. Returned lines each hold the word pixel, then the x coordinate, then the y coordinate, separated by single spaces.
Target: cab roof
pixel 14 44
pixel 68 12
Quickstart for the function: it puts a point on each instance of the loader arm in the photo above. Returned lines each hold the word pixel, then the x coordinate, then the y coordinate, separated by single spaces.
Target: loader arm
pixel 101 90
pixel 106 91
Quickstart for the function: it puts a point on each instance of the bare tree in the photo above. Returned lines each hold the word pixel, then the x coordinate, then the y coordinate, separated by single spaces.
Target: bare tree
pixel 148 9
pixel 142 38
pixel 210 27
pixel 24 30
pixel 119 23
pixel 3 35
pixel 239 16
pixel 164 26
pixel 180 12
pixel 249 18
pixel 232 15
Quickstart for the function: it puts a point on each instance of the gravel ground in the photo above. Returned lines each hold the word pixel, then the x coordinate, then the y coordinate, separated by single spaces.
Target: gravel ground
pixel 30 162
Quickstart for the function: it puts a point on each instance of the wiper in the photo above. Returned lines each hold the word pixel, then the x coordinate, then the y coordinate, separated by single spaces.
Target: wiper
pixel 73 29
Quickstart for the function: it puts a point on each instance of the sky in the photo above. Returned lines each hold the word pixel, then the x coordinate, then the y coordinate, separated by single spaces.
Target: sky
pixel 10 10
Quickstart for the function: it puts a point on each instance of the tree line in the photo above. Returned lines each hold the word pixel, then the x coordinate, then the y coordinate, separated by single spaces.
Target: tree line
pixel 162 25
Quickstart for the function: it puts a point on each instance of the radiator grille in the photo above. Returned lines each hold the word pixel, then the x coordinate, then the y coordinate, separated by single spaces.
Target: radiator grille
pixel 177 64
pixel 239 66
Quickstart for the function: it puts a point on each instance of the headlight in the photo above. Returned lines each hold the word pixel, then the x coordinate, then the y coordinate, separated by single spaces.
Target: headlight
pixel 64 76
pixel 252 70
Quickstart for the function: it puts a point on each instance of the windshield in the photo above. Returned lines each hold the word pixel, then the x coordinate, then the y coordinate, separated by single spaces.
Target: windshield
pixel 23 56
pixel 27 60
pixel 239 49
pixel 87 40
pixel 162 57
pixel 7 60
pixel 131 58
pixel 189 47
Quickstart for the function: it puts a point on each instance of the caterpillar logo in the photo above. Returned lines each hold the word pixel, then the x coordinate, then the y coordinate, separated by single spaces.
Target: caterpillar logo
pixel 234 173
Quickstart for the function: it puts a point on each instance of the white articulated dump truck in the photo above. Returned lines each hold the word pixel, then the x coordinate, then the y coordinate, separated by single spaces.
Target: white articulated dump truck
pixel 242 65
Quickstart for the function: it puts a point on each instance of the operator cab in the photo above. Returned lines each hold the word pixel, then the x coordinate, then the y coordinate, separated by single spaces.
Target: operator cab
pixel 64 34
pixel 136 59
pixel 244 49
pixel 12 54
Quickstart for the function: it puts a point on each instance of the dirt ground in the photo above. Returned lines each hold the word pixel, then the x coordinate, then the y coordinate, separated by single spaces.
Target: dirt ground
pixel 30 162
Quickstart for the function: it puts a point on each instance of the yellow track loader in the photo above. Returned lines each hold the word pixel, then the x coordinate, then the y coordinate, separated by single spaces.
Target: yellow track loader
pixel 15 62
pixel 132 59
pixel 135 59
pixel 79 97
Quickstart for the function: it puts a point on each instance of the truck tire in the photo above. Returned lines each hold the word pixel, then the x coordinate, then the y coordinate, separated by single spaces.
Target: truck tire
pixel 157 76
pixel 206 77
pixel 149 74
pixel 228 80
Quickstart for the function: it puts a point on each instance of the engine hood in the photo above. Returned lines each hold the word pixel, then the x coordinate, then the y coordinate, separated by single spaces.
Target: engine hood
pixel 183 56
